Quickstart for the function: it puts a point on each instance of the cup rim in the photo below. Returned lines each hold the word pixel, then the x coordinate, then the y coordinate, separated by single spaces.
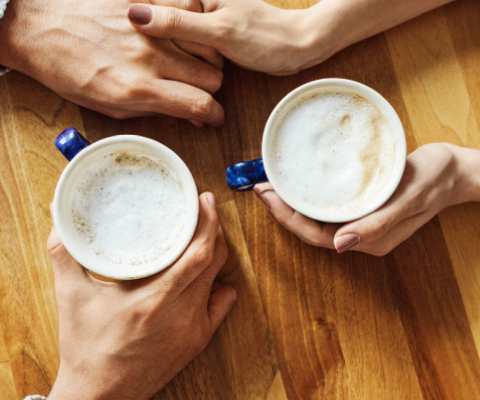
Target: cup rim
pixel 400 151
pixel 100 266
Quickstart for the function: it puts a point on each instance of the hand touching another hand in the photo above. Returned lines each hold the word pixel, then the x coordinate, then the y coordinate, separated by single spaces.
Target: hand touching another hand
pixel 89 53
pixel 264 38
pixel 126 340
pixel 436 176
pixel 251 33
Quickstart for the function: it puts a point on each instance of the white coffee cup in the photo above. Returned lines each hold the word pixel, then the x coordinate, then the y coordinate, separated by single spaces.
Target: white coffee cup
pixel 244 175
pixel 75 147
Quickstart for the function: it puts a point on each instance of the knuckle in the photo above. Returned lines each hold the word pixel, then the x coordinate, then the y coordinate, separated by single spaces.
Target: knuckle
pixel 171 20
pixel 216 79
pixel 380 227
pixel 283 218
pixel 190 5
pixel 203 256
pixel 202 107
pixel 209 76
pixel 127 89
pixel 175 282
pixel 225 28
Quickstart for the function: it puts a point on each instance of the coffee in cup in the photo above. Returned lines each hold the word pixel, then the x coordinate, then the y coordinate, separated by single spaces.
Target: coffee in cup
pixel 333 149
pixel 129 207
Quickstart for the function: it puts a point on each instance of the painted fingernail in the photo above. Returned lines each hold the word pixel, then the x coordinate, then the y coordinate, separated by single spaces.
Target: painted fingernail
pixel 211 200
pixel 140 14
pixel 263 198
pixel 346 242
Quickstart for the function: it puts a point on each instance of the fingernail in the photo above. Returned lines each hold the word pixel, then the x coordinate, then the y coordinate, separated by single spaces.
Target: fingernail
pixel 346 242
pixel 211 200
pixel 196 123
pixel 263 198
pixel 140 14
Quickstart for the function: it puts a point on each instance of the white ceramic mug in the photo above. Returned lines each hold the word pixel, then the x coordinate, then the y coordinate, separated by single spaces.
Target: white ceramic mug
pixel 244 175
pixel 76 148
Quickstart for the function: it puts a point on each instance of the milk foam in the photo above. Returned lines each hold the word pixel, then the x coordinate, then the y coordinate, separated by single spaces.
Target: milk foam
pixel 334 151
pixel 129 208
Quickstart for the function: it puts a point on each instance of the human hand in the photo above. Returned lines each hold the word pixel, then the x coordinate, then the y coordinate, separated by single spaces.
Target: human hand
pixel 436 176
pixel 89 53
pixel 251 33
pixel 126 340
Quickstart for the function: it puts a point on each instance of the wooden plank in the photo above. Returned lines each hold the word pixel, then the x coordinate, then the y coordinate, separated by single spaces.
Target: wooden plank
pixel 239 362
pixel 434 317
pixel 438 63
pixel 7 383
pixel 29 170
pixel 309 324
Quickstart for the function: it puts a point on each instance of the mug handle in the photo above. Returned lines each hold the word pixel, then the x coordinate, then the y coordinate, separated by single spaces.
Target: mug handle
pixel 244 175
pixel 70 142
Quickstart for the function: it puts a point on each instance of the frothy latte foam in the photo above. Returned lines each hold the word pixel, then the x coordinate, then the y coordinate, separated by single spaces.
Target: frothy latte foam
pixel 129 207
pixel 334 151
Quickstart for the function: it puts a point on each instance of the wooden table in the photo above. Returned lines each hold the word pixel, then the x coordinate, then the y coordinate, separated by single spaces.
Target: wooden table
pixel 309 323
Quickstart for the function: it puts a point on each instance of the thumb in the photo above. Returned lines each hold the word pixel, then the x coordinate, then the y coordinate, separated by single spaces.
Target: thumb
pixel 222 299
pixel 64 265
pixel 370 228
pixel 173 23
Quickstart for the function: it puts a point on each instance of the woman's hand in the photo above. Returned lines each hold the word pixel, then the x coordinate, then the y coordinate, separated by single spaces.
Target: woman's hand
pixel 264 38
pixel 88 52
pixel 251 33
pixel 126 340
pixel 436 176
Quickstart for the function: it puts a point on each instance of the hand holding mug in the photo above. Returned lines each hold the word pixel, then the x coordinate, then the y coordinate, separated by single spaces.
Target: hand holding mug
pixel 436 176
pixel 127 340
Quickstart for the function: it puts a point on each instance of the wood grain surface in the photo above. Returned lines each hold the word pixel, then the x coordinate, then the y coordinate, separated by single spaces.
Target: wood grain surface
pixel 309 323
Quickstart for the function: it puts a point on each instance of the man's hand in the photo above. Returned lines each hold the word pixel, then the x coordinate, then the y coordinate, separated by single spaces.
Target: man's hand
pixel 436 176
pixel 126 340
pixel 88 52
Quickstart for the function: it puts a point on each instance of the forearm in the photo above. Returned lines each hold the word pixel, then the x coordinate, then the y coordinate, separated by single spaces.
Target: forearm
pixel 344 22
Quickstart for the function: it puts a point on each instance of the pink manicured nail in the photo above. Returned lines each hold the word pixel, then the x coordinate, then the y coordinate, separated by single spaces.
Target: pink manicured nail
pixel 211 200
pixel 346 242
pixel 140 14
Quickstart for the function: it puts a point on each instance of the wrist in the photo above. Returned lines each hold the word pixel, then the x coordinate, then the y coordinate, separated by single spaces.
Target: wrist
pixel 467 163
pixel 76 386
pixel 319 39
